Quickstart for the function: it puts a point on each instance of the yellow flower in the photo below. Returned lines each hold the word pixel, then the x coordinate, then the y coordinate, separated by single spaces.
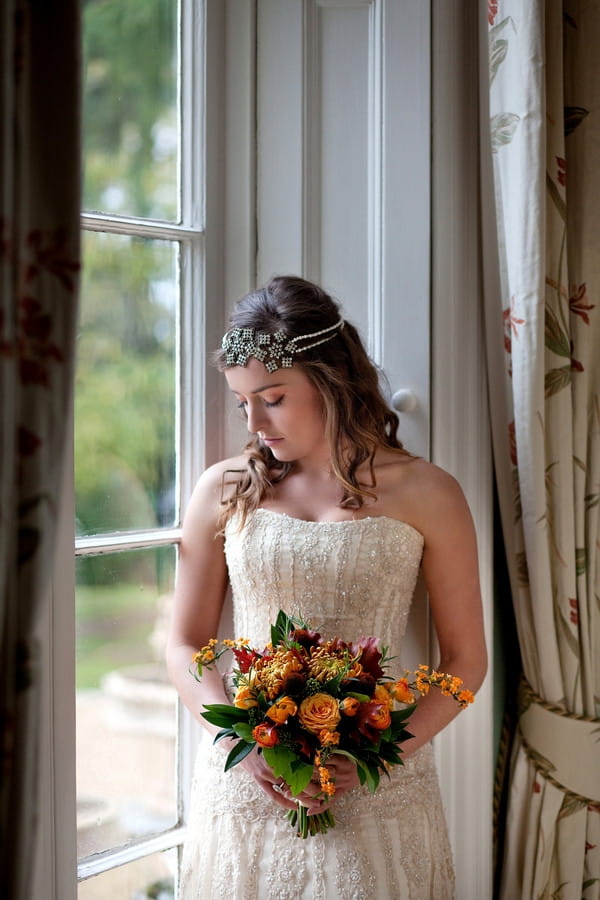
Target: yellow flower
pixel 319 711
pixel 281 710
pixel 273 672
pixel 245 698
pixel 204 656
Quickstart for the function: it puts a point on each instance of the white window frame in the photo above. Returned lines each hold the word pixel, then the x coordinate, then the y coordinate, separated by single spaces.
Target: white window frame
pixel 201 30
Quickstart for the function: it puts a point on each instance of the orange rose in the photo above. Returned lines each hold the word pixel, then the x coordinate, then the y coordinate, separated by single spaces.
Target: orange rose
pixel 265 735
pixel 349 706
pixel 318 712
pixel 281 710
pixel 244 698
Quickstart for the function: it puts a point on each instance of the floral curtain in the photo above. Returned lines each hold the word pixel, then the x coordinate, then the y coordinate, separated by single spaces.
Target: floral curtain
pixel 39 249
pixel 543 325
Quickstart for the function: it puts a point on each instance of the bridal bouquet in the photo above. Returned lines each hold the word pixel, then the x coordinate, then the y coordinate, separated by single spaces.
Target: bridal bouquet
pixel 304 697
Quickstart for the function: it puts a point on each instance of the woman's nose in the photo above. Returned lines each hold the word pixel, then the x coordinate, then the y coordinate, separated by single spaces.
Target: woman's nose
pixel 256 418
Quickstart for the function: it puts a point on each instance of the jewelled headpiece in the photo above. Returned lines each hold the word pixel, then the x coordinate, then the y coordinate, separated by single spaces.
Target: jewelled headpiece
pixel 274 350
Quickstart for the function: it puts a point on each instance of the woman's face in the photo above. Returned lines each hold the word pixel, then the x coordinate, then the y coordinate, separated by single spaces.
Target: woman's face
pixel 284 408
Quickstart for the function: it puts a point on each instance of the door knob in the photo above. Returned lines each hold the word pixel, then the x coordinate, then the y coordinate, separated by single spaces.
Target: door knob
pixel 404 400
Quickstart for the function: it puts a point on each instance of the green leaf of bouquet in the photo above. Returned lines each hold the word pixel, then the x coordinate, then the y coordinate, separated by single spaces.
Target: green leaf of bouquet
pixel 364 698
pixel 224 733
pixel 224 715
pixel 355 759
pixel 280 760
pixel 281 628
pixel 299 776
pixel 372 777
pixel 244 731
pixel 237 754
pixel 391 753
pixel 401 715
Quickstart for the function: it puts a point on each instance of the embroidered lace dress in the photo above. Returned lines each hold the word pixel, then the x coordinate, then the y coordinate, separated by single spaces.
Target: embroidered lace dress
pixel 353 579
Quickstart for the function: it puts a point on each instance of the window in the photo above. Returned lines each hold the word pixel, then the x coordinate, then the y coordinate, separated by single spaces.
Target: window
pixel 137 429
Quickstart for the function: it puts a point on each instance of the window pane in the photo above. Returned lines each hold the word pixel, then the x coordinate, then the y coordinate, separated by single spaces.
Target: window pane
pixel 126 708
pixel 125 401
pixel 151 878
pixel 130 109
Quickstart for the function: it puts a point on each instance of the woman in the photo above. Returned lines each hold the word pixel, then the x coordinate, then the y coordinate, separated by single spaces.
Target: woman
pixel 324 515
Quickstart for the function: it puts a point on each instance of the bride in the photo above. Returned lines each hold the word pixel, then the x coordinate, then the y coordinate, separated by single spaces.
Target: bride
pixel 326 516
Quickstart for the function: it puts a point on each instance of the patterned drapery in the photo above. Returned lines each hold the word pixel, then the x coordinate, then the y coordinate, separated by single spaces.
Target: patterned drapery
pixel 543 325
pixel 39 252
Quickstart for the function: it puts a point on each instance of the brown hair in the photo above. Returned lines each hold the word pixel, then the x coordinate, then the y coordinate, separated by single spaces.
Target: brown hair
pixel 357 418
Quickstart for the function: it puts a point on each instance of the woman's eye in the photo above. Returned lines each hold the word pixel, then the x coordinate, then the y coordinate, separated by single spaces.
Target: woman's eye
pixel 242 404
pixel 275 403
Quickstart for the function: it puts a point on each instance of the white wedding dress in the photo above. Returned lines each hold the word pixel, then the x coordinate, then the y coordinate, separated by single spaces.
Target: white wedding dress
pixel 351 579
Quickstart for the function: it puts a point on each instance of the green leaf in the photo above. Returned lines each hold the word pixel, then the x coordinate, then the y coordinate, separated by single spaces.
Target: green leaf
pixel 500 26
pixel 556 339
pixel 244 731
pixel 300 775
pixel 237 754
pixel 224 733
pixel 401 715
pixel 580 560
pixel 280 759
pixel 284 623
pixel 502 127
pixel 372 777
pixel 224 715
pixel 364 698
pixel 498 51
pixel 287 765
pixel 556 380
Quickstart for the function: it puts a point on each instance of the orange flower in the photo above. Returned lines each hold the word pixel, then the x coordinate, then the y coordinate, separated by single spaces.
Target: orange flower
pixel 265 735
pixel 402 691
pixel 281 710
pixel 319 711
pixel 349 706
pixel 378 715
pixel 465 697
pixel 382 695
pixel 329 738
pixel 245 698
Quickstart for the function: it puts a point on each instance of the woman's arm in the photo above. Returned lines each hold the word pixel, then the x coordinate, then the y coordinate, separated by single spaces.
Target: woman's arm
pixel 451 572
pixel 199 595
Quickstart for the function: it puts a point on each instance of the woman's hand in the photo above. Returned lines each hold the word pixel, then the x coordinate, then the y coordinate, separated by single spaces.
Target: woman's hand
pixel 343 775
pixel 263 774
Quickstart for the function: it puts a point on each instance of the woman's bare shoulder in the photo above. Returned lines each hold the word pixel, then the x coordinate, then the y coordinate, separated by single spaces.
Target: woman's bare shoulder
pixel 421 492
pixel 214 485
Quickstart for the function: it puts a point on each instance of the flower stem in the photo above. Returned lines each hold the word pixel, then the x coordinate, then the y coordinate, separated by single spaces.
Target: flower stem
pixel 306 825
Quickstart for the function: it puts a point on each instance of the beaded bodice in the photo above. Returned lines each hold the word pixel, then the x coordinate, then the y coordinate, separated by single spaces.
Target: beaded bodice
pixel 351 579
